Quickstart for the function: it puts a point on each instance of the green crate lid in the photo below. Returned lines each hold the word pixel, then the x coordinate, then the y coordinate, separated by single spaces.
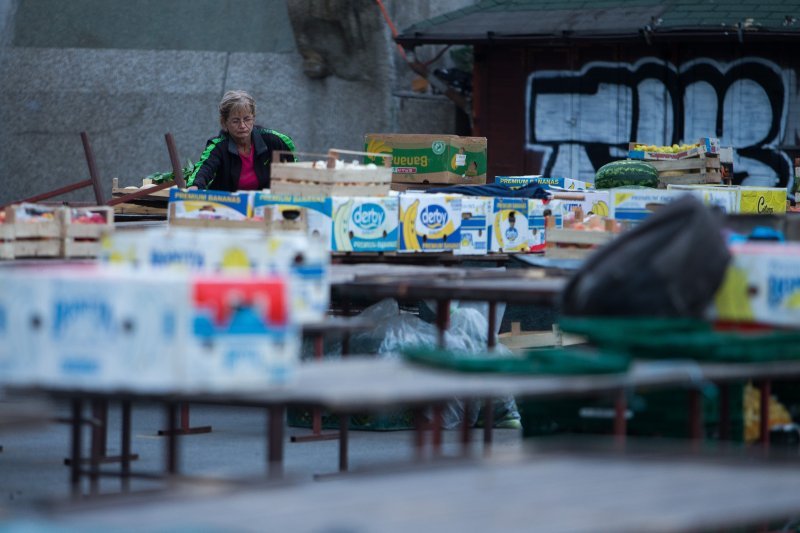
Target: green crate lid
pixel 546 361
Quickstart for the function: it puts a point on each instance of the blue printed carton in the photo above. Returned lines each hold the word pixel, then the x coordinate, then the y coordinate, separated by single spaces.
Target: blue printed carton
pixel 516 182
pixel 208 205
pixel 429 223
pixel 365 223
pixel 475 212
pixel 509 230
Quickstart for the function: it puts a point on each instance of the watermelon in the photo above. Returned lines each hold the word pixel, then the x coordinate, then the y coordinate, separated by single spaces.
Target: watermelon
pixel 626 173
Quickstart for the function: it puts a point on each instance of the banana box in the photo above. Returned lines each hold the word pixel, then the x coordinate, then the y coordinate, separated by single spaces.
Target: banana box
pixel 724 197
pixel 474 225
pixel 761 284
pixel 318 211
pixel 634 205
pixel 515 182
pixel 509 231
pixel 538 210
pixel 762 200
pixel 185 249
pixel 365 224
pixel 430 158
pixel 208 205
pixel 429 223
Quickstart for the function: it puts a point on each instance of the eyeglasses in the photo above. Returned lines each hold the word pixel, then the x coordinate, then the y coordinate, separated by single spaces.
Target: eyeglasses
pixel 247 121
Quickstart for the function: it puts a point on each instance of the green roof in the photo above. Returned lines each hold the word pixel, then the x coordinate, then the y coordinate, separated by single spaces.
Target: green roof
pixel 548 20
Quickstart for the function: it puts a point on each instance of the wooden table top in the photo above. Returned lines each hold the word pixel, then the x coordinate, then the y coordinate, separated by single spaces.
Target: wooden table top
pixel 359 384
pixel 515 492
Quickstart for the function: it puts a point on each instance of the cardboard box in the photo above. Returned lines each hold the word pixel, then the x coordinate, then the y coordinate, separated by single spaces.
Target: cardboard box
pixel 210 206
pixel 762 284
pixel 634 205
pixel 318 211
pixel 537 211
pixel 474 225
pixel 723 197
pixel 365 224
pixel 508 221
pixel 516 182
pixel 762 200
pixel 446 159
pixel 429 223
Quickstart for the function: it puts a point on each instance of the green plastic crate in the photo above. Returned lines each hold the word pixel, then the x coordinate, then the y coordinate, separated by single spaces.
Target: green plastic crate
pixel 663 413
pixel 657 338
pixel 539 361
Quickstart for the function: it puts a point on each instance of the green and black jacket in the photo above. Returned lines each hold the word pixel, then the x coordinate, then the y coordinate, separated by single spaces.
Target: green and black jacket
pixel 219 166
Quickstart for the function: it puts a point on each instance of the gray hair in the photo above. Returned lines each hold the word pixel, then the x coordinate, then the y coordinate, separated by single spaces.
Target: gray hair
pixel 235 100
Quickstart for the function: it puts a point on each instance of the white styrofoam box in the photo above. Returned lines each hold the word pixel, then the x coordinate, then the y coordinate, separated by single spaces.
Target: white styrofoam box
pixel 241 336
pixel 537 211
pixel 724 197
pixel 474 225
pixel 24 319
pixel 82 336
pixel 306 261
pixel 508 221
pixel 634 205
pixel 154 313
pixel 762 284
pixel 365 223
pixel 429 222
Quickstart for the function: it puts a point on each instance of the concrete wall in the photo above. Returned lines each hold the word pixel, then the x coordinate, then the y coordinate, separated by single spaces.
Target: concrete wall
pixel 127 96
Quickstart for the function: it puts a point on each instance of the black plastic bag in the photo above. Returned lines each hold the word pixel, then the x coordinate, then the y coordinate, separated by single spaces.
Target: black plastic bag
pixel 669 266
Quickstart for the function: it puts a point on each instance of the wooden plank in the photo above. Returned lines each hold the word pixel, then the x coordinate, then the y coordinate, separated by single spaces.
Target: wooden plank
pixel 574 236
pixel 37 248
pixel 81 248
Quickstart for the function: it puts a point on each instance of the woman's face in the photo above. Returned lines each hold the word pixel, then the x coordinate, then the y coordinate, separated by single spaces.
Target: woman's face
pixel 239 124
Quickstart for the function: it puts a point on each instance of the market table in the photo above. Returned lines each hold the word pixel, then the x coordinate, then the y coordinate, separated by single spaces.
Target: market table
pixel 361 384
pixel 518 286
pixel 551 492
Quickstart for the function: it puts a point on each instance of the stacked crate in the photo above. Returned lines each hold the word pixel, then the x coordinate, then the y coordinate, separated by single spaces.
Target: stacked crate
pixel 41 231
pixel 698 165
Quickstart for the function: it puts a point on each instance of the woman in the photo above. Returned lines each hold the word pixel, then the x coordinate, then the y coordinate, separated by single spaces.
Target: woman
pixel 239 157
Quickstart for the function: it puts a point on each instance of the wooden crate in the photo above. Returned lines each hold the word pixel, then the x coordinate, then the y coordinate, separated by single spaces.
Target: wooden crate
pixel 329 178
pixel 6 241
pixel 705 168
pixel 33 221
pixel 81 247
pixel 86 222
pixel 571 243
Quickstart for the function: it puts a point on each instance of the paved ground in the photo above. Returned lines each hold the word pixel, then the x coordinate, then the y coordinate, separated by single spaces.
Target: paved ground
pixel 32 469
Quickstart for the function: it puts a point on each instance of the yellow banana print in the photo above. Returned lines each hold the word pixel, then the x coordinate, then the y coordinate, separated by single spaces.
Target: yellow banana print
pixel 448 229
pixel 341 237
pixel 498 232
pixel 409 232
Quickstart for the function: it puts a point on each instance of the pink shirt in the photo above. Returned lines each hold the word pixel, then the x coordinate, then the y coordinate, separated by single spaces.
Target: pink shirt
pixel 247 179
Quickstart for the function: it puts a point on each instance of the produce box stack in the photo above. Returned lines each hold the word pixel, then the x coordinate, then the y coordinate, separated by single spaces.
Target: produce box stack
pixel 424 161
pixel 682 164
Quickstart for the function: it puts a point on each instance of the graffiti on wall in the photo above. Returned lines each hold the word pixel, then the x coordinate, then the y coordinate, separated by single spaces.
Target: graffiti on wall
pixel 580 120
